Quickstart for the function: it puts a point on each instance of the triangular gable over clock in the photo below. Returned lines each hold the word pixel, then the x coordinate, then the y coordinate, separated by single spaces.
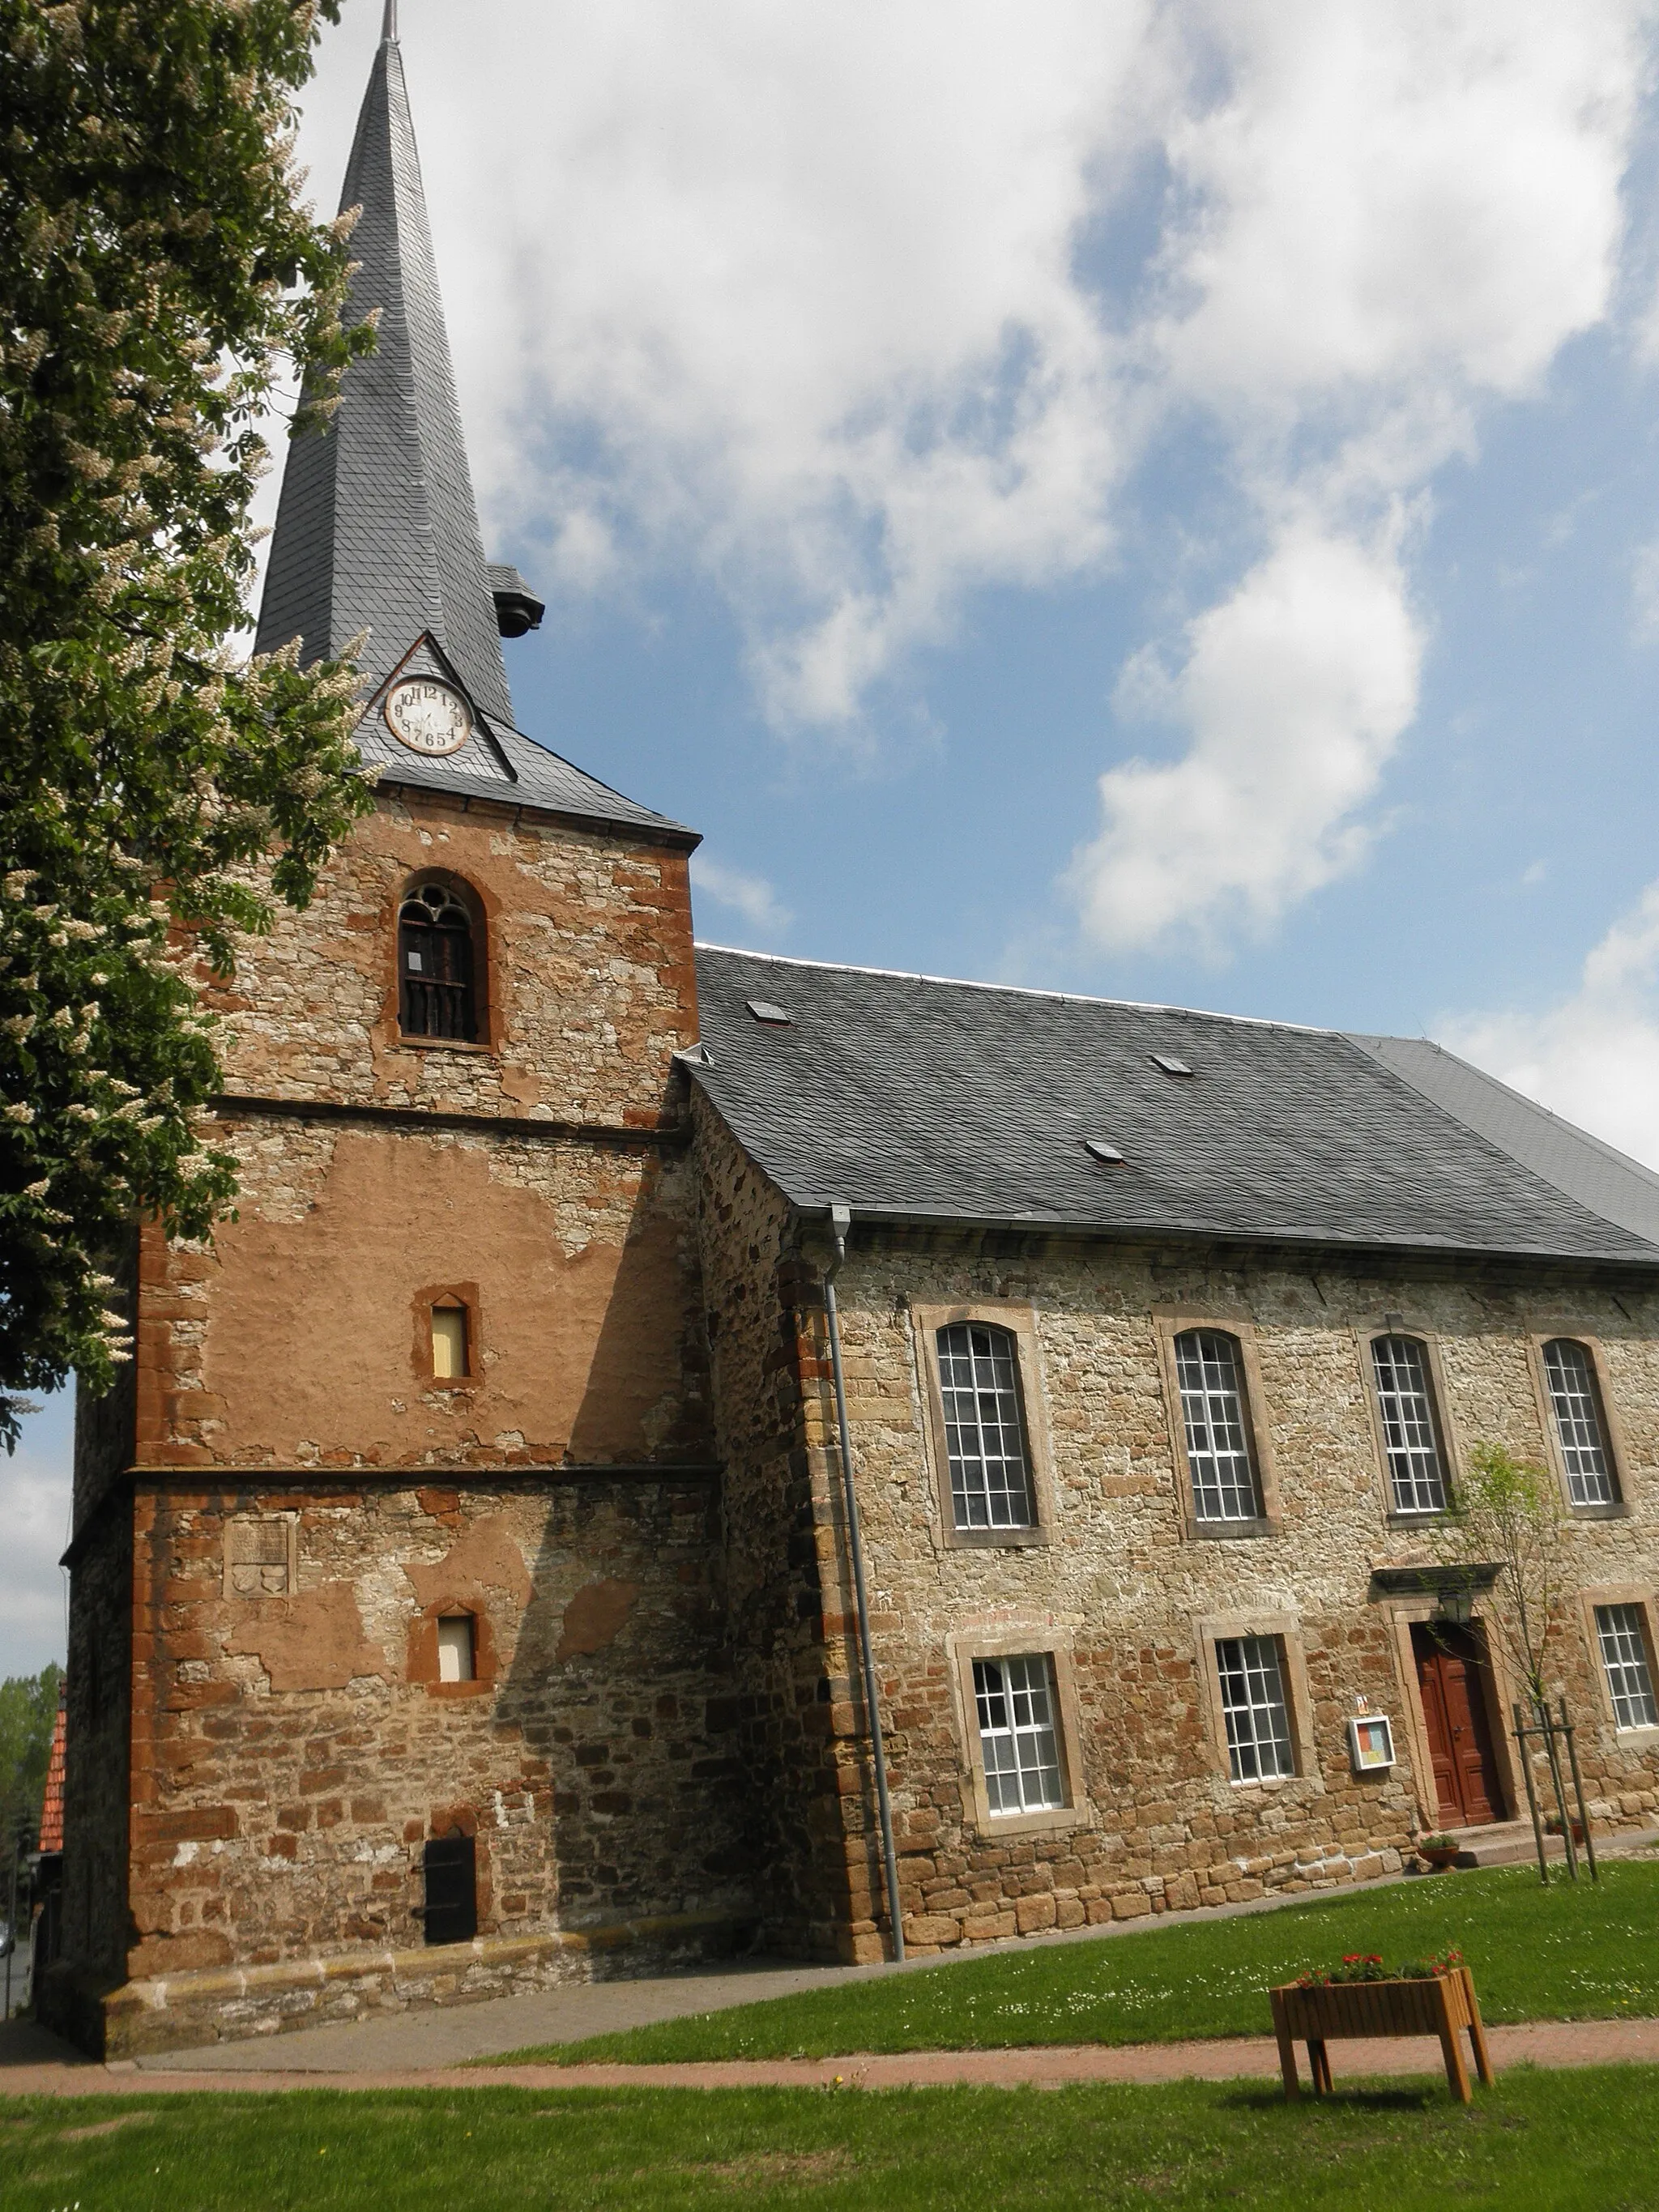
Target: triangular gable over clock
pixel 423 718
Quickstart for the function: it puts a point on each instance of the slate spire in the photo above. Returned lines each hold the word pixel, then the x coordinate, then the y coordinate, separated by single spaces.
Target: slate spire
pixel 378 528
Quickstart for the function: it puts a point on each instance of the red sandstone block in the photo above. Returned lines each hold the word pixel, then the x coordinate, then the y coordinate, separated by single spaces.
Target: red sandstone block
pixel 196 1824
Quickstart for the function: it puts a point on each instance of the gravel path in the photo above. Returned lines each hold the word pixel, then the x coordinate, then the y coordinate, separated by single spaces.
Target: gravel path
pixel 46 2068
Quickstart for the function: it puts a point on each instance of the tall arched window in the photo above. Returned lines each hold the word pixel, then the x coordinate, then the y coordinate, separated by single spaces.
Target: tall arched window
pixel 1410 1429
pixel 440 956
pixel 985 1427
pixel 1212 1412
pixel 1580 1431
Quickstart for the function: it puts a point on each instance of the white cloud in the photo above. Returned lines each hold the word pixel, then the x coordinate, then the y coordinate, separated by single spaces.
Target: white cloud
pixel 751 896
pixel 1394 216
pixel 1295 691
pixel 796 297
pixel 1594 1057
pixel 34 1509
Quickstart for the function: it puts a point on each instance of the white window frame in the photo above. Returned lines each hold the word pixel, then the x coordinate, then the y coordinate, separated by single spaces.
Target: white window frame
pixel 1170 1324
pixel 1624 1626
pixel 1260 1737
pixel 1640 1599
pixel 1020 1744
pixel 1019 1321
pixel 979 1384
pixel 1216 1425
pixel 1432 1396
pixel 1614 1506
pixel 1000 1639
pixel 1285 1630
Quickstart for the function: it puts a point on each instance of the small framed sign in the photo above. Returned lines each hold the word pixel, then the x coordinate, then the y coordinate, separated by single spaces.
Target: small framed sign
pixel 1370 1743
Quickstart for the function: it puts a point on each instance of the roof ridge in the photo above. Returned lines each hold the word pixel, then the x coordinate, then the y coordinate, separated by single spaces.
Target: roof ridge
pixel 1025 990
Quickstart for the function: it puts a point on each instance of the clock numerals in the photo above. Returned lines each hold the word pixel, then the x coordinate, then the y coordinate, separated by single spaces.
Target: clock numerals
pixel 428 716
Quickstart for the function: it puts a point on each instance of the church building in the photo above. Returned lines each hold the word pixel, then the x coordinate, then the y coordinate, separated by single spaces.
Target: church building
pixel 474 1584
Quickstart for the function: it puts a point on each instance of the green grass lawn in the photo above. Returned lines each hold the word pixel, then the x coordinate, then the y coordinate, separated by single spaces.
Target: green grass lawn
pixel 1589 1953
pixel 1585 2142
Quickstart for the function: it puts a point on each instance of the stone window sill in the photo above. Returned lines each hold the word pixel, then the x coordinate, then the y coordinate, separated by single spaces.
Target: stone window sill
pixel 994 1827
pixel 442 1044
pixel 994 1540
pixel 1435 1520
pixel 1618 1511
pixel 1229 1532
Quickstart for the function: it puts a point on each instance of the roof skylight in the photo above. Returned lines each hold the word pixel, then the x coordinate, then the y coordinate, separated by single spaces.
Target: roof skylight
pixel 777 1018
pixel 1170 1064
pixel 1098 1149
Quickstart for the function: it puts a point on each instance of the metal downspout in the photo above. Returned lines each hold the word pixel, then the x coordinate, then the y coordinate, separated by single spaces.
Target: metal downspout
pixel 841 1220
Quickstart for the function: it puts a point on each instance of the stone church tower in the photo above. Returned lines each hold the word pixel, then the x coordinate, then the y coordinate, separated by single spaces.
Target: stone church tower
pixel 393 1613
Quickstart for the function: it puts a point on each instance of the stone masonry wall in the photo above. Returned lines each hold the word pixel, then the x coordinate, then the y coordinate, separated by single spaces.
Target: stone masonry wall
pixel 293 1749
pixel 590 986
pixel 1119 1587
pixel 302 1339
pixel 755 1287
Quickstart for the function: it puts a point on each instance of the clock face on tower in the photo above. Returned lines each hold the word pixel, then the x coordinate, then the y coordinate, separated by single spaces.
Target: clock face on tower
pixel 428 716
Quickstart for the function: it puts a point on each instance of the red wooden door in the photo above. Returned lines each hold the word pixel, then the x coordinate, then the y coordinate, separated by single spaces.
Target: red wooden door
pixel 1449 1662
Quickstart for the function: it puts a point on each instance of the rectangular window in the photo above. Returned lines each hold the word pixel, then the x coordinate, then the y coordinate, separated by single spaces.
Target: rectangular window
pixel 984 1427
pixel 1405 1400
pixel 1019 1741
pixel 1579 1430
pixel 1212 1415
pixel 1253 1703
pixel 449 1343
pixel 1624 1656
pixel 456 1658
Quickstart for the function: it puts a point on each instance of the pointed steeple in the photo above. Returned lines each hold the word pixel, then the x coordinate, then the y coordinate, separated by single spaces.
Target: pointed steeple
pixel 378 528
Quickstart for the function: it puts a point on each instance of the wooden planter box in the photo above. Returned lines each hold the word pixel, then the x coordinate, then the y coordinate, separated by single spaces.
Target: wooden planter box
pixel 1444 2006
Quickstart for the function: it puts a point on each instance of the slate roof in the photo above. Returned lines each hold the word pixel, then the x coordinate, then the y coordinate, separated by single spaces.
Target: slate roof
pixel 1598 1176
pixel 910 1097
pixel 377 528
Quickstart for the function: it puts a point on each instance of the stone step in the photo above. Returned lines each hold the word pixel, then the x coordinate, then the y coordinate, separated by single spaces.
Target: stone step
pixel 1507 1843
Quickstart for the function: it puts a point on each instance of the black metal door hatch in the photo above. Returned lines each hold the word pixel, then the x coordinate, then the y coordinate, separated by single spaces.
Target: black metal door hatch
pixel 449 1865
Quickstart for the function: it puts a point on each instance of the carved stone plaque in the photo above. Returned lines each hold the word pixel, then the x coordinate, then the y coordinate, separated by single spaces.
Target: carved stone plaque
pixel 259 1555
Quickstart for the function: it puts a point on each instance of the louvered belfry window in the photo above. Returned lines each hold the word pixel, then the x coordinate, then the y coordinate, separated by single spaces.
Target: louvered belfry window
pixel 437 963
pixel 984 1427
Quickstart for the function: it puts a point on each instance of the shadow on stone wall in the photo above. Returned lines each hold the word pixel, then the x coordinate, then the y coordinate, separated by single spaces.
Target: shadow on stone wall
pixel 620 1687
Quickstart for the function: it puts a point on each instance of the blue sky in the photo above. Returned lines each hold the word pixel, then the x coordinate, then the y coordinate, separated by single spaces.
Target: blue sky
pixel 1161 502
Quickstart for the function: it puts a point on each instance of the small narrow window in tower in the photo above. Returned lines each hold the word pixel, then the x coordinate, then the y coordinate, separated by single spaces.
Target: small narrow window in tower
pixel 457 1648
pixel 450 1363
pixel 437 994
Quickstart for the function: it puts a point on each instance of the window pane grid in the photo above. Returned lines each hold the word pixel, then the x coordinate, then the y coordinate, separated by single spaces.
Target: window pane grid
pixel 1212 1414
pixel 434 965
pixel 1624 1656
pixel 1019 1741
pixel 984 1433
pixel 1403 1399
pixel 1578 1423
pixel 1253 1703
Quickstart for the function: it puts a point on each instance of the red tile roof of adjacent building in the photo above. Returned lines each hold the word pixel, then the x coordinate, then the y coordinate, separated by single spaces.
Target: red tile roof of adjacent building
pixel 52 1811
